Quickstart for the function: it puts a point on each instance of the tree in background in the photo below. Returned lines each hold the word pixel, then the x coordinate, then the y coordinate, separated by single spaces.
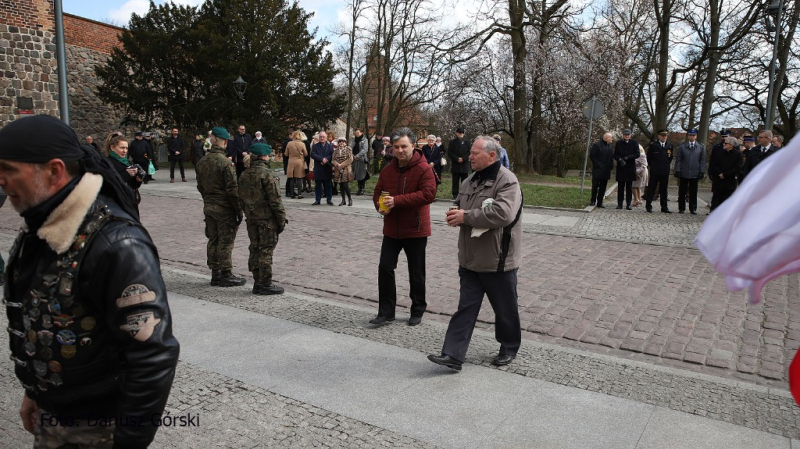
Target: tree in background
pixel 177 66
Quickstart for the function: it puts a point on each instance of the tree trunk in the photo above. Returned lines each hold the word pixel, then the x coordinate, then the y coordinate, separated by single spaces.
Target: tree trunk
pixel 516 11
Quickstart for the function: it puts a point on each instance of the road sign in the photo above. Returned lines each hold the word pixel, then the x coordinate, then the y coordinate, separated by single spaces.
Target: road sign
pixel 593 108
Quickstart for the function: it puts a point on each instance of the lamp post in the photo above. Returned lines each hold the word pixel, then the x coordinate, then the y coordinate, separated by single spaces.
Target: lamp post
pixel 774 10
pixel 240 86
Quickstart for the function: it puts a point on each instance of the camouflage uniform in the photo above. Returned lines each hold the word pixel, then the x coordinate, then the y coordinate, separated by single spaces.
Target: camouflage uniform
pixel 50 433
pixel 266 218
pixel 216 181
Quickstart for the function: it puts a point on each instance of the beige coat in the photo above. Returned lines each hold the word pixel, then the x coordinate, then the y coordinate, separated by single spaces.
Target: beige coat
pixel 295 151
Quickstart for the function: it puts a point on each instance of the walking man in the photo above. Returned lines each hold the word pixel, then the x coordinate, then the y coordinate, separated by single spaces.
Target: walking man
pixel 266 217
pixel 216 181
pixel 690 167
pixel 489 243
pixel 602 156
pixel 625 153
pixel 659 158
pixel 89 324
pixel 411 188
pixel 175 147
pixel 459 160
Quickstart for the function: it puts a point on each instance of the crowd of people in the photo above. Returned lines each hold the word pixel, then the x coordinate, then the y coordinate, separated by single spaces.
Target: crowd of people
pixel 643 175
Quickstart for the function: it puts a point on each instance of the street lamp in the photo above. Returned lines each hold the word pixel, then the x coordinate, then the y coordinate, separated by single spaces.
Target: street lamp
pixel 240 86
pixel 774 10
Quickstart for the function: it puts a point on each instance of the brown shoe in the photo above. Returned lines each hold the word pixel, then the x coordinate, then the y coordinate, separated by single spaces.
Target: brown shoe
pixel 171 180
pixel 184 179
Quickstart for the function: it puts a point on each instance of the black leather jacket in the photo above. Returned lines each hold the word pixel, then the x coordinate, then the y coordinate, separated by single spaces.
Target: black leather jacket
pixel 99 344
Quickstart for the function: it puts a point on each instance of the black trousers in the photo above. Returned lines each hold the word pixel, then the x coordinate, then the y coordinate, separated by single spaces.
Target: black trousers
pixel 501 289
pixel 599 190
pixel 661 182
pixel 691 185
pixel 172 168
pixel 720 195
pixel 458 178
pixel 387 290
pixel 627 193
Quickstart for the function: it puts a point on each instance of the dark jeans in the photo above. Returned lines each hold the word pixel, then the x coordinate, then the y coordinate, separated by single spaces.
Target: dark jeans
pixel 599 190
pixel 387 290
pixel 172 168
pixel 720 195
pixel 661 182
pixel 319 185
pixel 627 193
pixel 691 185
pixel 458 178
pixel 501 288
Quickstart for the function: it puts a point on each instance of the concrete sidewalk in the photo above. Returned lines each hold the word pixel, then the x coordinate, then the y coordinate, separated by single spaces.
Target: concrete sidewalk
pixel 399 390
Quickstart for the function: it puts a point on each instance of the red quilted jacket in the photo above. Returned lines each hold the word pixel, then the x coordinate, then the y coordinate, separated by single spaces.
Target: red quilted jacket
pixel 413 189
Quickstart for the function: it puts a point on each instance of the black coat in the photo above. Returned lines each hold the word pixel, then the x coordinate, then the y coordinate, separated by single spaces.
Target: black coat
pixel 659 158
pixel 197 150
pixel 626 153
pixel 141 152
pixel 602 157
pixel 754 157
pixel 729 164
pixel 239 145
pixel 176 145
pixel 458 148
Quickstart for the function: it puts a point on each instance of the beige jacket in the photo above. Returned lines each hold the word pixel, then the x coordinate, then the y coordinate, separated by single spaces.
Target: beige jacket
pixel 498 249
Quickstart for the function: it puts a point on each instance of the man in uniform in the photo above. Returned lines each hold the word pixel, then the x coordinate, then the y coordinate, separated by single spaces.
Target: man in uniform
pixel 458 150
pixel 266 217
pixel 216 181
pixel 626 151
pixel 89 324
pixel 690 167
pixel 489 245
pixel 659 158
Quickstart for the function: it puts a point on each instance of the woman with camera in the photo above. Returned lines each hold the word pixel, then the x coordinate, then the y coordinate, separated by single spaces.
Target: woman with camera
pixel 117 149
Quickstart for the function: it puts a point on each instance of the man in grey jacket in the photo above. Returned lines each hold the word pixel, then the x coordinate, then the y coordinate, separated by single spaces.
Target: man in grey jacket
pixel 690 167
pixel 489 239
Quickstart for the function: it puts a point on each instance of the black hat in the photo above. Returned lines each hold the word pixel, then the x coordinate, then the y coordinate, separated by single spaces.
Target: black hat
pixel 725 132
pixel 626 132
pixel 663 132
pixel 460 130
pixel 138 134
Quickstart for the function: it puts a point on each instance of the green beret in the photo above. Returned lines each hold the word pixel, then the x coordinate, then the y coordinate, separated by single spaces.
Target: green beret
pixel 261 149
pixel 220 132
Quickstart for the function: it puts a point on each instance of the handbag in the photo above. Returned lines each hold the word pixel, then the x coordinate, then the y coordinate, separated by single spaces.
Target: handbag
pixel 443 162
pixel 350 176
pixel 151 170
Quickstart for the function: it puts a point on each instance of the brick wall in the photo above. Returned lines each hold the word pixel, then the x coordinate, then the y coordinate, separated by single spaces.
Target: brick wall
pixel 86 33
pixel 36 14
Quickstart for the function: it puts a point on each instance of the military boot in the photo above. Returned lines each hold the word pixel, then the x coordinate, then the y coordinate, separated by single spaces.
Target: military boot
pixel 227 279
pixel 215 274
pixel 268 289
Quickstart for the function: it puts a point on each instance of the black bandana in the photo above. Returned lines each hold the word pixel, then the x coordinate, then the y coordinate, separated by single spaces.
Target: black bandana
pixel 42 138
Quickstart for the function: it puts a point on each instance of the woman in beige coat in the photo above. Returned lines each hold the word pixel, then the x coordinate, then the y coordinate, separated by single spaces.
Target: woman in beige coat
pixel 296 170
pixel 342 171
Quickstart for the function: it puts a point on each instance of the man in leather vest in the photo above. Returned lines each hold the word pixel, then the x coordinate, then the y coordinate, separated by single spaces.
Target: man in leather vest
pixel 90 327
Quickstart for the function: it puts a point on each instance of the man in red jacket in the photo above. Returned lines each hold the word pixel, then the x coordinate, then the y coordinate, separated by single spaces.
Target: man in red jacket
pixel 411 188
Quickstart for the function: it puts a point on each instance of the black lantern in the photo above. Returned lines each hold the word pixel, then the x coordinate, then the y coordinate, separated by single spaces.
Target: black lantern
pixel 240 86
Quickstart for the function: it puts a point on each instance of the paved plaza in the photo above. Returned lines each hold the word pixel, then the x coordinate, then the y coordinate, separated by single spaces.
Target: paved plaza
pixel 631 339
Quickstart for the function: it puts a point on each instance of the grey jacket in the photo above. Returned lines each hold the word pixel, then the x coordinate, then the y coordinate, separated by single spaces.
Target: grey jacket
pixel 690 164
pixel 498 249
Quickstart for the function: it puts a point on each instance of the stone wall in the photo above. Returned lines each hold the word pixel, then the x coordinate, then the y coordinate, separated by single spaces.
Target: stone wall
pixel 27 58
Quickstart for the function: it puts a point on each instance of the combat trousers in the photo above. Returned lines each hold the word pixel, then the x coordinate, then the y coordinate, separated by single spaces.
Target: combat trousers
pixel 263 239
pixel 221 233
pixel 599 190
pixel 50 434
pixel 501 289
pixel 387 288
pixel 691 185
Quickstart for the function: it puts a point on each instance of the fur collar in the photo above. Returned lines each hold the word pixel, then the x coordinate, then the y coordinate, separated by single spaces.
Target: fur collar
pixel 61 226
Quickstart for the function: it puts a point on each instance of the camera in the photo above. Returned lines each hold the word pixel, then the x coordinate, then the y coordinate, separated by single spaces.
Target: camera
pixel 140 173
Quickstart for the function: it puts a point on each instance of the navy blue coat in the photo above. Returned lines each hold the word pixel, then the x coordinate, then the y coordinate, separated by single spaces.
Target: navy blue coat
pixel 627 152
pixel 659 158
pixel 321 151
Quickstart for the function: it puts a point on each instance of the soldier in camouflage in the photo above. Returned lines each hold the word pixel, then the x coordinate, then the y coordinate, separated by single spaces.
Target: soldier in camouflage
pixel 216 181
pixel 266 217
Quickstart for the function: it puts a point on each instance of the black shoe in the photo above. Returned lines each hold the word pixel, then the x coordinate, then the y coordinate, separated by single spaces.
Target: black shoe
pixel 343 203
pixel 592 203
pixel 414 320
pixel 681 211
pixel 628 208
pixel 263 289
pixel 600 206
pixel 299 197
pixel 693 212
pixel 315 203
pixel 445 360
pixel 649 210
pixel 381 321
pixel 349 202
pixel 502 360
pixel 215 274
pixel 227 279
pixel 360 192
pixel 666 211
pixel 330 203
pixel 619 207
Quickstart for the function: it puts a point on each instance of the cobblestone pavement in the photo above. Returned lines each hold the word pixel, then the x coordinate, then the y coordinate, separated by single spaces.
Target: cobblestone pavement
pixel 661 302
